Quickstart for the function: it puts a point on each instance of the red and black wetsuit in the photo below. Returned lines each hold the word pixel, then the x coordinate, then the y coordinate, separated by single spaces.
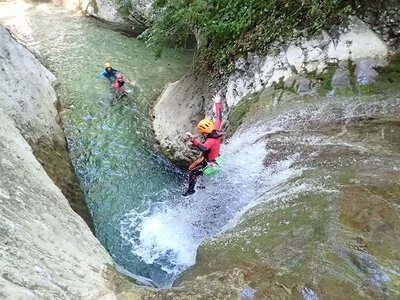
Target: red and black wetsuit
pixel 210 149
pixel 119 83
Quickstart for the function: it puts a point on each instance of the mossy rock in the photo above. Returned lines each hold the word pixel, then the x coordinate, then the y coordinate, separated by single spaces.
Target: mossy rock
pixel 388 79
pixel 95 7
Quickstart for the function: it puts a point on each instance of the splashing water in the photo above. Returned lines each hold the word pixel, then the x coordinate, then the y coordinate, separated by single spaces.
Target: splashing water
pixel 167 234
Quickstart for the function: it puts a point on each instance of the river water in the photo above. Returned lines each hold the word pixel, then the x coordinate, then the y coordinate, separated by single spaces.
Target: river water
pixel 111 141
pixel 307 197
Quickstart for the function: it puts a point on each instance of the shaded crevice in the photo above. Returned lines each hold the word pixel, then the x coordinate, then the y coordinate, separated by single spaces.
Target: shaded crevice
pixel 55 159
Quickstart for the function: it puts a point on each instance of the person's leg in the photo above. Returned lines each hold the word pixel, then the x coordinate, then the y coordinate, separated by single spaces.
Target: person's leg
pixel 193 174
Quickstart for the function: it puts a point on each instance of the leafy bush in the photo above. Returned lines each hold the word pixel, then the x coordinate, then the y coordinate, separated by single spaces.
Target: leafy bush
pixel 124 7
pixel 226 28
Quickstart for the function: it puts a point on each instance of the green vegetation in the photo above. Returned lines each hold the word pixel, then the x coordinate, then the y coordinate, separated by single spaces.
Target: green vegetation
pixel 95 7
pixel 226 28
pixel 124 7
pixel 388 80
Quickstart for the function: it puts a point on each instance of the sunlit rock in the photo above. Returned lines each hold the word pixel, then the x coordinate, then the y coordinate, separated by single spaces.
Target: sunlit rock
pixel 133 12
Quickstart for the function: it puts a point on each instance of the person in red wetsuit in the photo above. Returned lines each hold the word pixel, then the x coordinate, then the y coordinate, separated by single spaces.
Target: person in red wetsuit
pixel 119 83
pixel 209 149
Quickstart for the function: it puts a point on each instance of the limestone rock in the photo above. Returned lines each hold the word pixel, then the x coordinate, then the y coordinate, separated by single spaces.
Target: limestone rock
pixel 287 67
pixel 341 79
pixel 29 99
pixel 12 17
pixel 108 10
pixel 178 110
pixel 366 70
pixel 104 10
pixel 357 43
pixel 295 56
pixel 48 252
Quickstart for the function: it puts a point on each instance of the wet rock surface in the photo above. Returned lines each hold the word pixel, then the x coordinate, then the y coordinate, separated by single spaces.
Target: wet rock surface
pixel 328 231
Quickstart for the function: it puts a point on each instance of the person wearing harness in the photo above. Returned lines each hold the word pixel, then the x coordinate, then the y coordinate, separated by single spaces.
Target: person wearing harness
pixel 119 83
pixel 109 72
pixel 209 149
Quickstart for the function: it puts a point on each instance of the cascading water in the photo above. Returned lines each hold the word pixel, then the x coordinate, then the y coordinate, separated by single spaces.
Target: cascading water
pixel 168 233
pixel 328 189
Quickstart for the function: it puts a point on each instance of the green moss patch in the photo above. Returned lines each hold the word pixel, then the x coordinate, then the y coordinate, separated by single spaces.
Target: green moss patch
pixel 95 7
pixel 124 7
pixel 388 79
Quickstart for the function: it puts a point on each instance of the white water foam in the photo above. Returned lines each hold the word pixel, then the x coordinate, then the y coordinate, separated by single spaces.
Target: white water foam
pixel 158 235
pixel 168 233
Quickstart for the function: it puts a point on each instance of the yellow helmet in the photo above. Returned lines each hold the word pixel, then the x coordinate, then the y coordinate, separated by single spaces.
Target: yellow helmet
pixel 205 126
pixel 108 65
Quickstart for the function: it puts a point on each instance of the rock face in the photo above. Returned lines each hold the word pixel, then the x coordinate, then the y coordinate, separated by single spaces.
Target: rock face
pixel 384 19
pixel 324 64
pixel 47 251
pixel 356 44
pixel 326 221
pixel 119 12
pixel 13 17
pixel 184 100
pixel 29 99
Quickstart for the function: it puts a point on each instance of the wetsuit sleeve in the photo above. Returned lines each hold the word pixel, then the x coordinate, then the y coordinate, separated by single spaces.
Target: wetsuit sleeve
pixel 115 70
pixel 204 147
pixel 102 74
pixel 217 124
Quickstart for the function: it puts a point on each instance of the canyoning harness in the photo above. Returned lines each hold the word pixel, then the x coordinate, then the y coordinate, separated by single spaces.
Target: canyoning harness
pixel 197 162
pixel 213 167
pixel 207 168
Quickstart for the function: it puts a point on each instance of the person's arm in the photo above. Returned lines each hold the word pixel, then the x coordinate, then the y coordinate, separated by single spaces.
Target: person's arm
pixel 204 147
pixel 102 74
pixel 115 70
pixel 217 100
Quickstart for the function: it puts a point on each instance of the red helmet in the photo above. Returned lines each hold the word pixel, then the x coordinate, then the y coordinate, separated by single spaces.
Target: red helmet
pixel 120 76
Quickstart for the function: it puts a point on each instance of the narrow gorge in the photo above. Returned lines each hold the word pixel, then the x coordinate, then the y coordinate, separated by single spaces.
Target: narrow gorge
pixel 305 205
